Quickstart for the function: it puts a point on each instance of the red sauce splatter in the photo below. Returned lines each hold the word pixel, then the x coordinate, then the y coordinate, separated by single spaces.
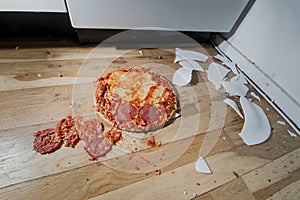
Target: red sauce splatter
pixel 153 143
pixel 114 136
pixel 137 168
pixel 158 171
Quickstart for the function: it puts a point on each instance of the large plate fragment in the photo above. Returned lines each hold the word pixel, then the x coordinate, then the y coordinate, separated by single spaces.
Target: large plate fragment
pixel 256 127
pixel 236 86
pixel 233 105
pixel 189 55
pixel 192 65
pixel 182 77
pixel 216 74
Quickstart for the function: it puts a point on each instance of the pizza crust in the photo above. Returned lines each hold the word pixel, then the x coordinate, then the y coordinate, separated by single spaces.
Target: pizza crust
pixel 135 99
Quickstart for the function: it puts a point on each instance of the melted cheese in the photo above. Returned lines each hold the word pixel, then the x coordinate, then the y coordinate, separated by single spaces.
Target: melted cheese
pixel 136 87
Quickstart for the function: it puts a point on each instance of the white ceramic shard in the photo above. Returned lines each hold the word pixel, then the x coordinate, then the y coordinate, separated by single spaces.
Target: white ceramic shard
pixel 292 134
pixel 240 78
pixel 202 166
pixel 255 96
pixel 233 105
pixel 227 62
pixel 236 86
pixel 221 58
pixel 189 55
pixel 256 127
pixel 232 66
pixel 176 115
pixel 281 123
pixel 216 73
pixel 182 77
pixel 192 65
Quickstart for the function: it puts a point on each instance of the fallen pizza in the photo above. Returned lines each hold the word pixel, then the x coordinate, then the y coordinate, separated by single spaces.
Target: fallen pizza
pixel 135 99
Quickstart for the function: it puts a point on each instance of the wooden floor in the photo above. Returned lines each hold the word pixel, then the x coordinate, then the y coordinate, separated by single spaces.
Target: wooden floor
pixel 37 89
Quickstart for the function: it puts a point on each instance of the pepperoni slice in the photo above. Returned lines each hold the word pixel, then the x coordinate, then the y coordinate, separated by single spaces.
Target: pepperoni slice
pixel 47 141
pixel 98 146
pixel 149 114
pixel 89 128
pixel 125 112
pixel 96 143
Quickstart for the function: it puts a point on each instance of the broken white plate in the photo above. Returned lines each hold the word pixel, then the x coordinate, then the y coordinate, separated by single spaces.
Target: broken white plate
pixel 192 65
pixel 189 55
pixel 216 73
pixel 240 78
pixel 221 58
pixel 235 87
pixel 255 95
pixel 182 77
pixel 202 166
pixel 227 62
pixel 232 66
pixel 233 105
pixel 256 127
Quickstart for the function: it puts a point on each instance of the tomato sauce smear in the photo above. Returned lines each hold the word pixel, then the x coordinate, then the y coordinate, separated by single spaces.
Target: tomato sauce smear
pixel 114 136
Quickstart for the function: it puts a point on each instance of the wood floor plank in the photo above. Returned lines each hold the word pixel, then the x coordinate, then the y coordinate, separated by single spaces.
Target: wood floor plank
pixel 34 106
pixel 50 54
pixel 291 192
pixel 205 196
pixel 285 170
pixel 234 190
pixel 182 184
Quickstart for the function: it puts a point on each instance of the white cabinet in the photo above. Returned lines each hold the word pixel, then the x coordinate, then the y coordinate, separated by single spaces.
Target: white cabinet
pixel 179 15
pixel 57 6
